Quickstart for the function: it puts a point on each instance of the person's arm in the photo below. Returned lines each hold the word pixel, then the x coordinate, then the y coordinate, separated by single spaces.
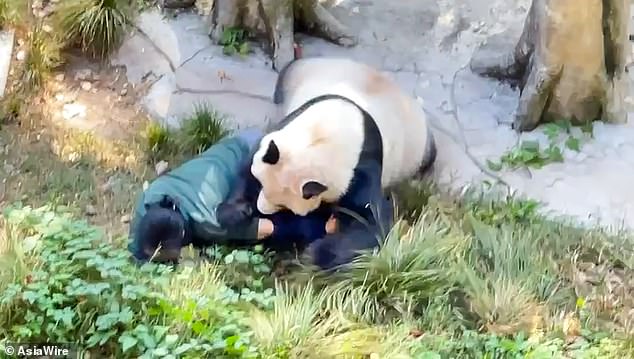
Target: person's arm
pixel 265 228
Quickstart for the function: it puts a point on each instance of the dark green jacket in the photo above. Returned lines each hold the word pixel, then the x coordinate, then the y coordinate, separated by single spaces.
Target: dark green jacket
pixel 200 185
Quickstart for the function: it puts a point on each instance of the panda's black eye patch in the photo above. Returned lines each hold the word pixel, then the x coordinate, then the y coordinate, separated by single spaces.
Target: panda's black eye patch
pixel 311 189
pixel 272 155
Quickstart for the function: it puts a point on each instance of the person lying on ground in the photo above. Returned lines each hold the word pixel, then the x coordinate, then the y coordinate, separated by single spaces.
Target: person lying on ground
pixel 179 208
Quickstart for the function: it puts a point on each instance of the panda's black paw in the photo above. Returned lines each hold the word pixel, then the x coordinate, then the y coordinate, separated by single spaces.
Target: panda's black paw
pixel 232 214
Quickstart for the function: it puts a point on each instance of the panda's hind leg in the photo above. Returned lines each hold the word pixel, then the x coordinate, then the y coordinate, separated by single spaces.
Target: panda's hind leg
pixel 338 249
pixel 429 159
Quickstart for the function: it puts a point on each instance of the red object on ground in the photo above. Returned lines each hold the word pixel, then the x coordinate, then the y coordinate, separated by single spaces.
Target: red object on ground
pixel 298 50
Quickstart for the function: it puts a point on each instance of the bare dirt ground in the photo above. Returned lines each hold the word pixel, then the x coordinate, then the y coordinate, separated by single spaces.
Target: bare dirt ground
pixel 80 144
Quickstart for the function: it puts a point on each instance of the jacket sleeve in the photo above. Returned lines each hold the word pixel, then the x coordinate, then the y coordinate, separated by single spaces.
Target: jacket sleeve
pixel 208 234
pixel 247 232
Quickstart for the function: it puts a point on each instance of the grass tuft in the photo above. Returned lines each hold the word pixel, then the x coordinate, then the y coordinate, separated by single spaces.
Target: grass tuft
pixel 43 54
pixel 98 27
pixel 412 266
pixel 199 131
pixel 202 129
pixel 160 142
pixel 11 13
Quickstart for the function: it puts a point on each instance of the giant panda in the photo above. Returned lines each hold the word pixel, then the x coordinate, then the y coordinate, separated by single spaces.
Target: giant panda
pixel 338 114
pixel 364 214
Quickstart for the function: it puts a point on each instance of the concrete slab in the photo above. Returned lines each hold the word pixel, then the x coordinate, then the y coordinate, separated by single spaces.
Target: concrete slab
pixel 6 52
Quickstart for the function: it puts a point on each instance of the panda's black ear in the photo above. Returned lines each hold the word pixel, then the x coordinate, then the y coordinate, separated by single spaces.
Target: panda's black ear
pixel 272 155
pixel 311 189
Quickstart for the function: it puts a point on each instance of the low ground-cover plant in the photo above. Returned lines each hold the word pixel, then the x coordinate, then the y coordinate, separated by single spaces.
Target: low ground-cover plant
pixel 456 283
pixel 531 154
pixel 66 284
pixel 234 41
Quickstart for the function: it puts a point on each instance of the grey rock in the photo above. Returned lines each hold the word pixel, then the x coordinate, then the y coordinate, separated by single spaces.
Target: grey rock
pixel 83 75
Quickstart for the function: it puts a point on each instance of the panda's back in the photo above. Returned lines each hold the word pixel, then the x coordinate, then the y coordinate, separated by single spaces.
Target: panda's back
pixel 400 119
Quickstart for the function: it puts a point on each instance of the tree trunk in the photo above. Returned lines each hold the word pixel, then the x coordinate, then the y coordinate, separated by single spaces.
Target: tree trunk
pixel 276 21
pixel 569 62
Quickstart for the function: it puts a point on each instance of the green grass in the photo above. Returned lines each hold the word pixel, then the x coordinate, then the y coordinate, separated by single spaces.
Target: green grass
pixel 456 283
pixel 198 131
pixel 160 142
pixel 43 54
pixel 97 26
pixel 11 13
pixel 202 129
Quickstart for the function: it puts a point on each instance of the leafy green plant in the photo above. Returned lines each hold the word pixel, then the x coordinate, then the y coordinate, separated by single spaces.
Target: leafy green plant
pixel 510 210
pixel 96 26
pixel 234 41
pixel 529 153
pixel 476 345
pixel 202 129
pixel 67 284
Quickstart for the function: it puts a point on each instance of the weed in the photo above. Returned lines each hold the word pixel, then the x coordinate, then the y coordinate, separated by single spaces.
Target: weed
pixel 509 211
pixel 529 153
pixel 234 41
pixel 202 129
pixel 11 106
pixel 11 13
pixel 160 142
pixel 97 26
pixel 142 5
pixel 43 53
pixel 71 286
pixel 4 14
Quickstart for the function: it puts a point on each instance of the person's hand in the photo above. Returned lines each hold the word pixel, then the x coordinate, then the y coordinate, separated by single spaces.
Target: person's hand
pixel 331 225
pixel 265 228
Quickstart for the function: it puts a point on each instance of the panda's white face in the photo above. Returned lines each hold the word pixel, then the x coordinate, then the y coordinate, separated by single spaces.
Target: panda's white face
pixel 285 184
pixel 286 200
pixel 310 160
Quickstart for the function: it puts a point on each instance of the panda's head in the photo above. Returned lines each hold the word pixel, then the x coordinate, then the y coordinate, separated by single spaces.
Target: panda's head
pixel 286 182
pixel 310 160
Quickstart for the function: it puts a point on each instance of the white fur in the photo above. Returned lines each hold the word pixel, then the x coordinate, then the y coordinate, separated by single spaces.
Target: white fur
pixel 399 117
